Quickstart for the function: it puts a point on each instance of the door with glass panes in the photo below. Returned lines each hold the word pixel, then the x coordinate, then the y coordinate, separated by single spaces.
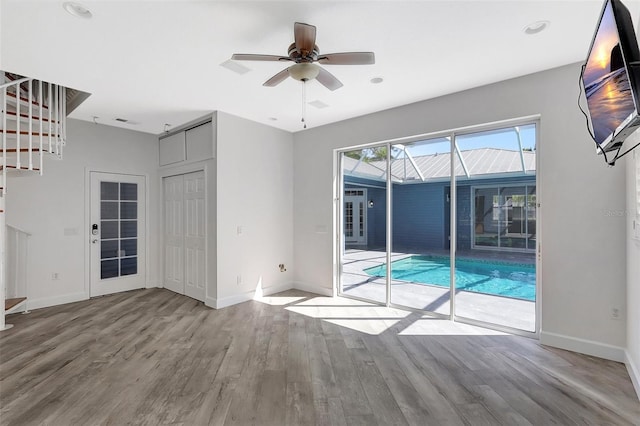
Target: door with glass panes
pixel 117 233
pixel 355 211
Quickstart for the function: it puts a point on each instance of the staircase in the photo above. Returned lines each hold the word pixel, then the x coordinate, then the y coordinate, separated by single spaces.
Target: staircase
pixel 32 126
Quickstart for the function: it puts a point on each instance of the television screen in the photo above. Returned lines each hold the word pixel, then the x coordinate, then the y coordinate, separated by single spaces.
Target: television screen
pixel 609 92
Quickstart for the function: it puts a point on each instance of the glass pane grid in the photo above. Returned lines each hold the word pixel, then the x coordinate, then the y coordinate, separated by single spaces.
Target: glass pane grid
pixel 118 229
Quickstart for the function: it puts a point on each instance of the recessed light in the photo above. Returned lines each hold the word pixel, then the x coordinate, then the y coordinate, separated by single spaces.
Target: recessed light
pixel 376 80
pixel 536 27
pixel 76 9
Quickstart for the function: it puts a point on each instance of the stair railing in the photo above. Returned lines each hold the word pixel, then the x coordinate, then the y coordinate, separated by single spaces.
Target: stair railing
pixel 51 102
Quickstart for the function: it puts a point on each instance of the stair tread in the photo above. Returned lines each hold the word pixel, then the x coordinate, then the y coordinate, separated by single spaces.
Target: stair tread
pixel 10 303
pixel 26 132
pixel 13 95
pixel 34 117
pixel 13 150
pixel 35 169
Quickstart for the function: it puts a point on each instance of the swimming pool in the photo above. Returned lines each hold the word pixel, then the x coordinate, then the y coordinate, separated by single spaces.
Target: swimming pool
pixel 503 279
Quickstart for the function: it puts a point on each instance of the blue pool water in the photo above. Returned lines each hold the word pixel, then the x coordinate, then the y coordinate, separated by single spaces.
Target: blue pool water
pixel 502 279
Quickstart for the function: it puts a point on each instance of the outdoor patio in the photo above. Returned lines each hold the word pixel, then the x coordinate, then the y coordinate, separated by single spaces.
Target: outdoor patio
pixel 504 311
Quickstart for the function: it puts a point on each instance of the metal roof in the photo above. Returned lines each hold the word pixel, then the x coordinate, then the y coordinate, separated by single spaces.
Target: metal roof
pixel 475 163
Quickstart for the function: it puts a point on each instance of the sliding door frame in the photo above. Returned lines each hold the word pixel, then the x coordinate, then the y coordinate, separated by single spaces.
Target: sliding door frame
pixel 339 246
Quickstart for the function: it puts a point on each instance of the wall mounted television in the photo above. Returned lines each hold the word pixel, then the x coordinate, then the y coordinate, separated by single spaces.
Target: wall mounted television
pixel 611 79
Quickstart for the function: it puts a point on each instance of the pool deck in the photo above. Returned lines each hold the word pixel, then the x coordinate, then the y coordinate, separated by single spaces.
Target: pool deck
pixel 504 311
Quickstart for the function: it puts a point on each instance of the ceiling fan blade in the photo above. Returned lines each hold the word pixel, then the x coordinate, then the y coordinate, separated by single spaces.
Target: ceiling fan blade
pixel 305 37
pixel 348 58
pixel 277 79
pixel 328 80
pixel 250 57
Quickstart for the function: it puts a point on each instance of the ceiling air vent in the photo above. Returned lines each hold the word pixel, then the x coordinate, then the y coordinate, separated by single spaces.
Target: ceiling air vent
pixel 318 104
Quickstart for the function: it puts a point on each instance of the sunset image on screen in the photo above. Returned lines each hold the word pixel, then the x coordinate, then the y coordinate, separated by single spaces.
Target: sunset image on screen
pixel 606 81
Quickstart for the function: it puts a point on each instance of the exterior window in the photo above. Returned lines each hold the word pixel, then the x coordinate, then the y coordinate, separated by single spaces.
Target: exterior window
pixel 509 223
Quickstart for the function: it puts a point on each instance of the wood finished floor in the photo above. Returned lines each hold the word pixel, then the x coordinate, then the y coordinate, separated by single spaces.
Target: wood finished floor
pixel 154 357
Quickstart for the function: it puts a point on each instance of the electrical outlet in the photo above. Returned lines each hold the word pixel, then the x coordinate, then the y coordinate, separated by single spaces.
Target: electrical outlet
pixel 55 276
pixel 239 279
pixel 615 313
pixel 282 267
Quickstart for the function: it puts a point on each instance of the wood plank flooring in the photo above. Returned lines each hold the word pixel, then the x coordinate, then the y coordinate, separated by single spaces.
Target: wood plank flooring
pixel 155 357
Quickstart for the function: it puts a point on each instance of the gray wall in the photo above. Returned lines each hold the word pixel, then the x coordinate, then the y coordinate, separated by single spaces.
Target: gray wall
pixel 53 207
pixel 583 250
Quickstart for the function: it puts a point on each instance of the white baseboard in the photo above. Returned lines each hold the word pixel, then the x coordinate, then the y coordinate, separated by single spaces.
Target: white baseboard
pixel 322 291
pixel 45 302
pixel 210 302
pixel 244 297
pixel 583 346
pixel 634 373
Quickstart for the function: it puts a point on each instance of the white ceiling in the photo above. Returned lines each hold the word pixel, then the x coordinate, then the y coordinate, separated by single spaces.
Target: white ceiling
pixel 156 62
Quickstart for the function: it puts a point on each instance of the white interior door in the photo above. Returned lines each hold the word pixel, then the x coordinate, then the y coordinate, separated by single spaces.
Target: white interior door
pixel 173 233
pixel 194 235
pixel 355 230
pixel 185 234
pixel 117 233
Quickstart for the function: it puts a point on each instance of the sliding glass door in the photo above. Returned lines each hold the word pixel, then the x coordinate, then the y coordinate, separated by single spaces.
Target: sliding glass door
pixel 445 224
pixel 420 268
pixel 363 208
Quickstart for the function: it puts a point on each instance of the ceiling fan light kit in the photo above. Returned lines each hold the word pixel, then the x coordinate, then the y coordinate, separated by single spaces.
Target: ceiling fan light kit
pixel 304 71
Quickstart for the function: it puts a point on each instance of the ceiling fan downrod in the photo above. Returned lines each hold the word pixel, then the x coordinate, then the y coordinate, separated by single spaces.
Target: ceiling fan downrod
pixel 304 103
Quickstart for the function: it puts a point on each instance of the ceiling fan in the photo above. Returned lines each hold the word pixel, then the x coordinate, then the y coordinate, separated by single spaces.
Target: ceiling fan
pixel 304 52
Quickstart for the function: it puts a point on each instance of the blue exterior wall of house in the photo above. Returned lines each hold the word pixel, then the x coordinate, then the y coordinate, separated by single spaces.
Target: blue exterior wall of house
pixel 420 212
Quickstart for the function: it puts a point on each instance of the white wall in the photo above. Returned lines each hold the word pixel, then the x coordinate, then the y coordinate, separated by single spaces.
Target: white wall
pixel 49 205
pixel 583 249
pixel 633 269
pixel 255 192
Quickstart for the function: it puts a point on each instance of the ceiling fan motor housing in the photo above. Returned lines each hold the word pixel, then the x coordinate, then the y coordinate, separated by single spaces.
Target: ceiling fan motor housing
pixel 299 57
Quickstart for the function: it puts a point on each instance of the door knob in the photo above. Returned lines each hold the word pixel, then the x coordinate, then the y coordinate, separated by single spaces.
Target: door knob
pixel 95 240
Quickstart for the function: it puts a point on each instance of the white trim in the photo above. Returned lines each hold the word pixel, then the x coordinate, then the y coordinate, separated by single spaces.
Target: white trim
pixel 310 288
pixel 634 372
pixel 210 302
pixel 245 297
pixel 46 302
pixel 583 346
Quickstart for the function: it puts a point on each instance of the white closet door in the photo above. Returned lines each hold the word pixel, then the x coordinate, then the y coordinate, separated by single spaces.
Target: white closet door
pixel 174 233
pixel 194 235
